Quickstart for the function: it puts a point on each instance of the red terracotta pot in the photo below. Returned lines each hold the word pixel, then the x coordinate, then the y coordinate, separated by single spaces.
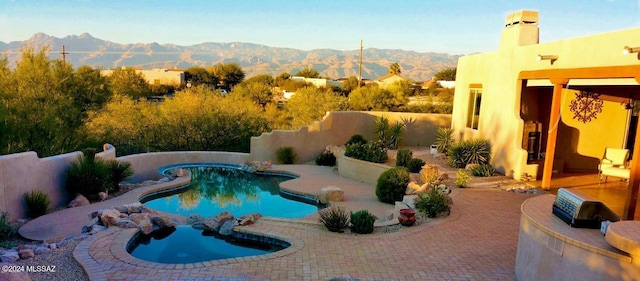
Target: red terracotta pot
pixel 407 217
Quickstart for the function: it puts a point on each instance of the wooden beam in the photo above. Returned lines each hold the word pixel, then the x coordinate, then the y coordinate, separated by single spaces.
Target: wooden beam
pixel 634 180
pixel 554 121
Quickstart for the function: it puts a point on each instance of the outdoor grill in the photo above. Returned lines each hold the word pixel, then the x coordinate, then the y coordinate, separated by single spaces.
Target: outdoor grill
pixel 580 210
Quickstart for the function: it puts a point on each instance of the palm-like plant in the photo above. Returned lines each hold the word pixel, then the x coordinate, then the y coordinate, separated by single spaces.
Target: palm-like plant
pixel 444 139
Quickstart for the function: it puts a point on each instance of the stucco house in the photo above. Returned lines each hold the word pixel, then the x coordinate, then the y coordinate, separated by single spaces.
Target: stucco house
pixel 552 107
pixel 389 79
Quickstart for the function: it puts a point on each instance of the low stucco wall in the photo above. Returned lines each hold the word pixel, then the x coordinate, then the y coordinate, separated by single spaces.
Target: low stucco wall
pixel 338 126
pixel 359 170
pixel 549 249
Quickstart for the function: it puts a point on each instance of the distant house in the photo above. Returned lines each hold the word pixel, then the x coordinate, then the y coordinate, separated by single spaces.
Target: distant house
pixel 389 80
pixel 443 83
pixel 318 82
pixel 158 76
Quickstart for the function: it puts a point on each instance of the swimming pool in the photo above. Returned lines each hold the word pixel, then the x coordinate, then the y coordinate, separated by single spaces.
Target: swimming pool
pixel 215 188
pixel 188 245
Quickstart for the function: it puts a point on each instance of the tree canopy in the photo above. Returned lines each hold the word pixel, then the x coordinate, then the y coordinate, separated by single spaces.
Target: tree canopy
pixel 308 73
pixel 126 81
pixel 229 74
pixel 448 74
pixel 394 68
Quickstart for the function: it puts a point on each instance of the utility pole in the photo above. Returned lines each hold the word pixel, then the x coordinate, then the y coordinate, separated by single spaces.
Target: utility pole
pixel 359 68
pixel 64 55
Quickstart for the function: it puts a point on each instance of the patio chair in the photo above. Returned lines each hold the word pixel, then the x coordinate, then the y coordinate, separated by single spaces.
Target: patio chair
pixel 614 164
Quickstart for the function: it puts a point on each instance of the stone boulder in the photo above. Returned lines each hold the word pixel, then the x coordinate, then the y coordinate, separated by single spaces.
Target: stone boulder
pixel 109 217
pixel 9 256
pixel 79 201
pixel 414 188
pixel 26 253
pixel 226 228
pixel 126 223
pixel 103 196
pixel 163 222
pixel 179 172
pixel 330 193
pixel 138 218
pixel 146 227
pixel 223 217
pixel 41 250
pixel 209 224
pixel 248 219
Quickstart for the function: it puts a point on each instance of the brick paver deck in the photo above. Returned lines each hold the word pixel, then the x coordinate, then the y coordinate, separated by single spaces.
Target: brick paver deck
pixel 478 241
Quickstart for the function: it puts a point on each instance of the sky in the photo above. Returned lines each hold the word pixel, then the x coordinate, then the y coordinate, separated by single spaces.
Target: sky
pixel 443 26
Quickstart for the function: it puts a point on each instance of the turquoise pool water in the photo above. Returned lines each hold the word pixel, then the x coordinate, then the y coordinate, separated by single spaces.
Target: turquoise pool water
pixel 218 188
pixel 188 245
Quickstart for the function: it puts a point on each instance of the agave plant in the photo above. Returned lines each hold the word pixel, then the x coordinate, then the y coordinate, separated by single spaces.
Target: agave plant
pixel 444 139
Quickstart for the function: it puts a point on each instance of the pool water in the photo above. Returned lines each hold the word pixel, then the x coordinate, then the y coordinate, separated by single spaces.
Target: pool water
pixel 215 189
pixel 188 245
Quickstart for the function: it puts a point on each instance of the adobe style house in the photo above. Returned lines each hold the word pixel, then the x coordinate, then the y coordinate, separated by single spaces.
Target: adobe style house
pixel 157 76
pixel 552 107
pixel 388 80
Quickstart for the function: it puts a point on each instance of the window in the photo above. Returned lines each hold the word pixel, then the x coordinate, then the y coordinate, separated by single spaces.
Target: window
pixel 473 111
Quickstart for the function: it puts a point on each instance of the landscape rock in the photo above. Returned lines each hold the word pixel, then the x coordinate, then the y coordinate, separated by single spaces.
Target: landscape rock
pixel 41 250
pixel 211 224
pixel 26 253
pixel 96 228
pixel 138 218
pixel 414 188
pixel 126 223
pixel 146 227
pixel 410 200
pixel 163 180
pixel 194 218
pixel 179 172
pixel 163 222
pixel 223 217
pixel 53 246
pixel 13 276
pixel 248 219
pixel 226 228
pixel 9 256
pixel 330 193
pixel 79 201
pixel 109 217
pixel 103 196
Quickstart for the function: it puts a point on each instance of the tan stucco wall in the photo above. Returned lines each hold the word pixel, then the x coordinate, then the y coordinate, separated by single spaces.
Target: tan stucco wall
pixel 338 126
pixel 498 73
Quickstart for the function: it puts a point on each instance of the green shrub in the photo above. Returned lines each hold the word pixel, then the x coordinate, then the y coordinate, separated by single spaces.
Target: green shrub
pixel 392 185
pixel 362 222
pixel 118 171
pixel 474 151
pixel 462 178
pixel 334 218
pixel 484 170
pixel 389 135
pixel 415 165
pixel 286 155
pixel 372 151
pixel 444 139
pixel 6 228
pixel 356 139
pixel 402 157
pixel 432 202
pixel 90 175
pixel 326 158
pixel 37 203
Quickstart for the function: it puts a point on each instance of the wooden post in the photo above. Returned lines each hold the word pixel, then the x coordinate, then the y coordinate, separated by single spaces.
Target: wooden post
pixel 554 121
pixel 634 180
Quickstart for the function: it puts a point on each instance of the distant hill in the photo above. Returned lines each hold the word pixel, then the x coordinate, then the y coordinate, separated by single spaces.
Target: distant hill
pixel 255 59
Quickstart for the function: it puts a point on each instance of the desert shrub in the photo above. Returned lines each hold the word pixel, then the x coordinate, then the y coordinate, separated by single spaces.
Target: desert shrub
pixel 89 175
pixel 402 157
pixel 326 158
pixel 389 135
pixel 432 202
pixel 334 218
pixel 362 222
pixel 392 184
pixel 415 165
pixel 372 151
pixel 474 151
pixel 462 178
pixel 286 155
pixel 484 170
pixel 356 139
pixel 6 228
pixel 444 139
pixel 118 171
pixel 37 203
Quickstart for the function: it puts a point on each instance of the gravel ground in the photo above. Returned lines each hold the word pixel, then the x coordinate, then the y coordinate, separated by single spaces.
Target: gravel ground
pixel 66 267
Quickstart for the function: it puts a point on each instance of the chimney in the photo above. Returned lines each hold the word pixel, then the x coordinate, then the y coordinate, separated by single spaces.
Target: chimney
pixel 521 29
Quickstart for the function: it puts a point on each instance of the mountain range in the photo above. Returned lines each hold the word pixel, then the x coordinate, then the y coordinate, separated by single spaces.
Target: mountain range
pixel 254 59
